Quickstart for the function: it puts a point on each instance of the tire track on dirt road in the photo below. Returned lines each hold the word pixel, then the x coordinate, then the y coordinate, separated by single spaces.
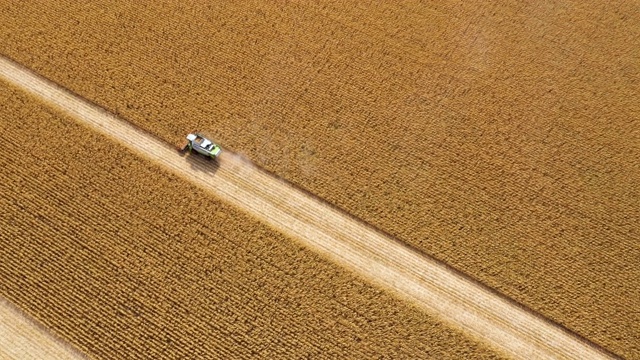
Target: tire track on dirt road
pixel 426 283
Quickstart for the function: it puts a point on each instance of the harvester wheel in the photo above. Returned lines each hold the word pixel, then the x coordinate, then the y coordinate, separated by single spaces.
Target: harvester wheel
pixel 183 149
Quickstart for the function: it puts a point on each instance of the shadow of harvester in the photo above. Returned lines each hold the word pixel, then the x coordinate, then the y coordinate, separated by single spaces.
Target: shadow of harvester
pixel 200 163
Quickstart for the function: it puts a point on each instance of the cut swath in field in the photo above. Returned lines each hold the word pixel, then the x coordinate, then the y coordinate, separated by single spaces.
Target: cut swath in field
pixel 428 284
pixel 127 261
pixel 498 138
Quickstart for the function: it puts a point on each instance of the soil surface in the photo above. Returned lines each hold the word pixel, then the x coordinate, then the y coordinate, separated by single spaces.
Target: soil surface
pixel 22 338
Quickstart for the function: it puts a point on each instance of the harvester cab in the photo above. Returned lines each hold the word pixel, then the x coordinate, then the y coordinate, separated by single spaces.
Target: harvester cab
pixel 200 144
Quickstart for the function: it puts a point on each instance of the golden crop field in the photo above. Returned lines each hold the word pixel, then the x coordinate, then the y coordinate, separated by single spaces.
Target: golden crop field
pixel 127 261
pixel 502 139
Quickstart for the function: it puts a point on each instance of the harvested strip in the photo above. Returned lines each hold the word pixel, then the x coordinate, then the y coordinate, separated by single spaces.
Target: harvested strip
pixel 382 260
pixel 502 139
pixel 21 338
pixel 127 261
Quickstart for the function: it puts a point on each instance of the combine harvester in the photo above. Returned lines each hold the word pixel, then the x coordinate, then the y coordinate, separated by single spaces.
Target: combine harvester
pixel 200 144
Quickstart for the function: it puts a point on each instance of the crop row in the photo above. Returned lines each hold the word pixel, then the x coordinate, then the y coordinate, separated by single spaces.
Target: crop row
pixel 127 261
pixel 500 139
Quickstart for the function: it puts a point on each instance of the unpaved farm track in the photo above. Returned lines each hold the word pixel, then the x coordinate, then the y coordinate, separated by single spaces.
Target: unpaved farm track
pixel 426 283
pixel 109 251
pixel 506 137
pixel 21 338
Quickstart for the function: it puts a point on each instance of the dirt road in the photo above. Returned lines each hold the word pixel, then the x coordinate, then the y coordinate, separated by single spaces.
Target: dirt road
pixel 21 338
pixel 376 257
